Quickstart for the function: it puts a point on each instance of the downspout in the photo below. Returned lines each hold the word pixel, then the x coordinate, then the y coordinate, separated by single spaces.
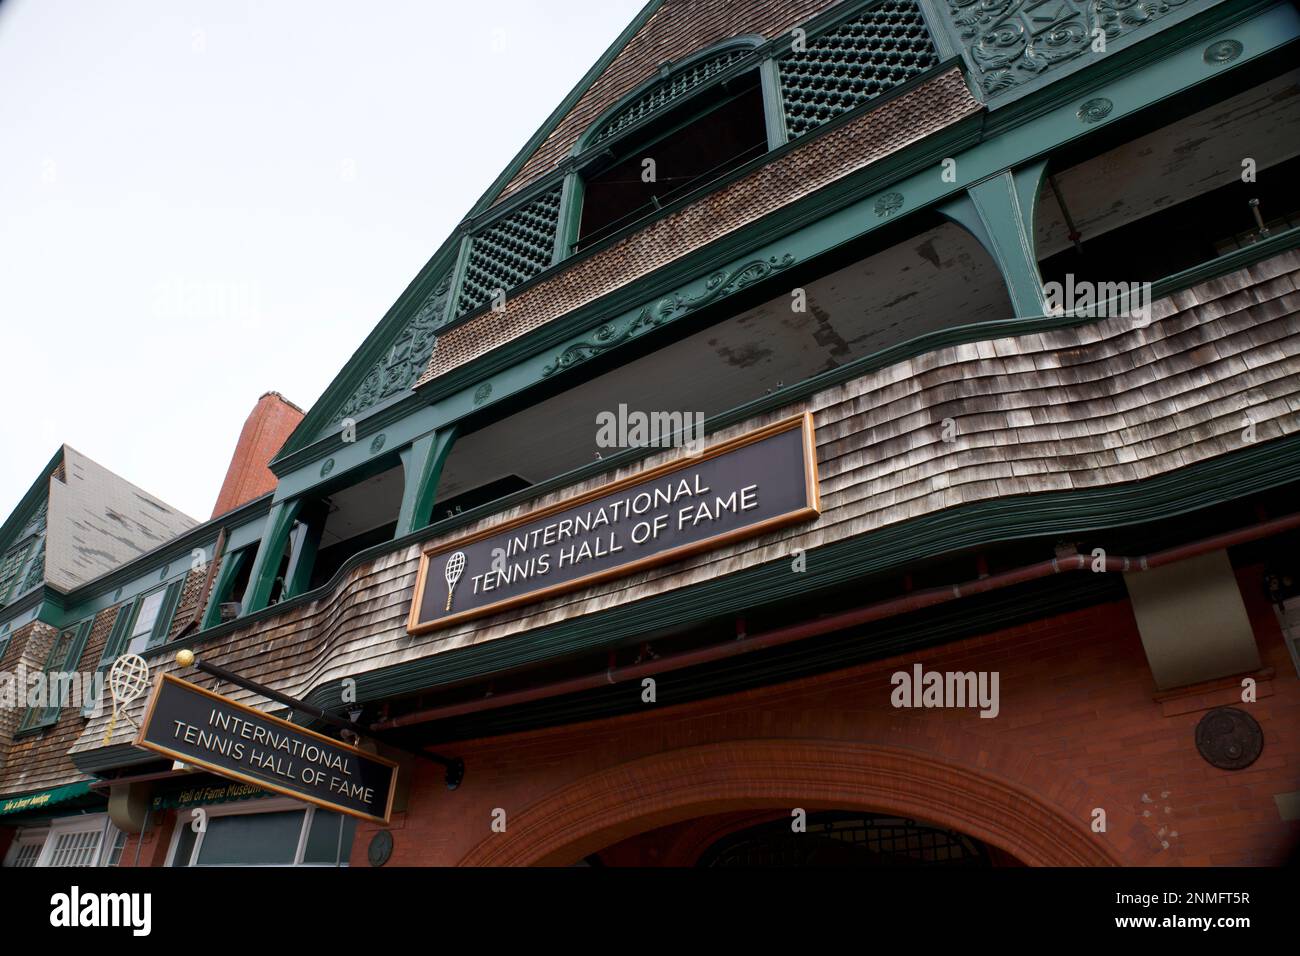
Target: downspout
pixel 915 601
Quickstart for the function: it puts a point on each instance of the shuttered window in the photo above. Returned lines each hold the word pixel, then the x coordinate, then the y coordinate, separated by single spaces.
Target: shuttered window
pixel 62 660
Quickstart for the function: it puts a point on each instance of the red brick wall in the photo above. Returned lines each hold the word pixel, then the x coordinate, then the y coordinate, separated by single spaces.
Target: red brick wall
pixel 1080 727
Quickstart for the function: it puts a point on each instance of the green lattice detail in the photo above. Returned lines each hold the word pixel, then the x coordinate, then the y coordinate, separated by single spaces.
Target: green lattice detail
pixel 667 91
pixel 854 62
pixel 510 251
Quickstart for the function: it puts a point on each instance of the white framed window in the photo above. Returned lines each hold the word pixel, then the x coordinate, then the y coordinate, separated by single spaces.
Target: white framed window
pixel 263 832
pixel 88 840
pixel 26 848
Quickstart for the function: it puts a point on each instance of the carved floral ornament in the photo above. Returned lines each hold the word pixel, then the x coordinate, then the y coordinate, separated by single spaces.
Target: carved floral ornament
pixel 1012 42
pixel 406 357
pixel 669 307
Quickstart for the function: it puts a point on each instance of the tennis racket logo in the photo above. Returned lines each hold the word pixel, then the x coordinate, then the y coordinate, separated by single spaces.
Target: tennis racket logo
pixel 128 679
pixel 455 565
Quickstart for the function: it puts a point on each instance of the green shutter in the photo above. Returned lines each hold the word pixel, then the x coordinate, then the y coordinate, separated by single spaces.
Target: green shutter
pixel 166 612
pixel 39 717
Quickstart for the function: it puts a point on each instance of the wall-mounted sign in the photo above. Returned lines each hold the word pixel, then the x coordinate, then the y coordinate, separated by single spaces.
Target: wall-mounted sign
pixel 736 489
pixel 188 723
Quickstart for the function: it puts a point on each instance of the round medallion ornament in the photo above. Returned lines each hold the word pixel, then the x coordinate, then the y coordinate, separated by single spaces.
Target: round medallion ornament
pixel 326 467
pixel 1095 110
pixel 1222 51
pixel 381 848
pixel 377 443
pixel 888 204
pixel 482 393
pixel 1229 739
pixel 162 575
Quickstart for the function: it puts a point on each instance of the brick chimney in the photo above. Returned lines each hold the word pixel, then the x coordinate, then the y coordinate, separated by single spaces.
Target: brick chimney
pixel 271 422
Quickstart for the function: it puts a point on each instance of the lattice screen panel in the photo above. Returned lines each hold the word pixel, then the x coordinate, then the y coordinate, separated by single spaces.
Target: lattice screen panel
pixel 853 63
pixel 510 251
pixel 666 92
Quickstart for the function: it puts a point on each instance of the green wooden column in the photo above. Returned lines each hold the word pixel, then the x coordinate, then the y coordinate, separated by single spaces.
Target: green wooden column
pixel 231 562
pixel 261 579
pixel 422 467
pixel 312 525
pixel 999 212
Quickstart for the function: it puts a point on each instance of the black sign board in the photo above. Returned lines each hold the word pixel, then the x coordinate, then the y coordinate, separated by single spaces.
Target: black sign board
pixel 194 725
pixel 736 489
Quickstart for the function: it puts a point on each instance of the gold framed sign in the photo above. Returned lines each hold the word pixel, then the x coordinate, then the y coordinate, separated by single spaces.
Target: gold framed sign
pixel 204 729
pixel 735 489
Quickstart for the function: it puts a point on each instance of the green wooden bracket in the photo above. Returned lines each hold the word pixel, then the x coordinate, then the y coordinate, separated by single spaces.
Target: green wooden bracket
pixel 422 464
pixel 261 580
pixel 999 212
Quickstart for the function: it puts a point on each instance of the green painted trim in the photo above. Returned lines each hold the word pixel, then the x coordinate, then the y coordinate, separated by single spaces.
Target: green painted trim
pixel 952 530
pixel 705 189
pixel 311 528
pixel 1117 64
pixel 566 105
pixel 751 42
pixel 943 41
pixel 773 104
pixel 21 515
pixel 349 378
pixel 571 196
pixel 999 212
pixel 231 563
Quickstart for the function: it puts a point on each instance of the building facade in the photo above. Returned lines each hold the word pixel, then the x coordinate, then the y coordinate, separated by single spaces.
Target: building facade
pixel 847 433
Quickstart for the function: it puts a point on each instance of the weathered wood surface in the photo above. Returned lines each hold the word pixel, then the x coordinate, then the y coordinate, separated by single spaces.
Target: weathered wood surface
pixel 1105 403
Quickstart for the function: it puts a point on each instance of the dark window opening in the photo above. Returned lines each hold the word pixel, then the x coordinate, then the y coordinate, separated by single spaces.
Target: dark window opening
pixel 481 495
pixel 1178 196
pixel 698 142
pixel 1192 232
pixel 334 526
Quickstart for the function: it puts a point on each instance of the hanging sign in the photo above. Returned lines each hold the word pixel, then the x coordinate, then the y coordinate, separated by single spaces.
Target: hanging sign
pixel 736 489
pixel 189 723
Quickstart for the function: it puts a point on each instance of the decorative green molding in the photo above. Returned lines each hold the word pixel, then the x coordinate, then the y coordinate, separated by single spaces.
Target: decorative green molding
pixel 675 82
pixel 1012 46
pixel 666 309
pixel 406 358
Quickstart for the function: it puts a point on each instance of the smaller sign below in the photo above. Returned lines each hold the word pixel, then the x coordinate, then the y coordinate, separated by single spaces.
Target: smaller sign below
pixel 189 723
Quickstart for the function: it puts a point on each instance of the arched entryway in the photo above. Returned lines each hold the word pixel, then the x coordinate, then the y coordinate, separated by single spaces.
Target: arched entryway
pixel 607 807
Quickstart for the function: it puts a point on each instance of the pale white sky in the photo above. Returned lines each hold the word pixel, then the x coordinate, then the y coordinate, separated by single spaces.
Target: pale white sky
pixel 204 201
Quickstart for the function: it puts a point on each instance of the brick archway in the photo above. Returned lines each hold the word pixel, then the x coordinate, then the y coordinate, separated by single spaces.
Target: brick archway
pixel 984 801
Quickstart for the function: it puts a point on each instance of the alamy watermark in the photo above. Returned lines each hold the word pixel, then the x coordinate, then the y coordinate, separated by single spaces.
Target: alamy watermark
pixel 1099 299
pixel 28 687
pixel 921 688
pixel 626 428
